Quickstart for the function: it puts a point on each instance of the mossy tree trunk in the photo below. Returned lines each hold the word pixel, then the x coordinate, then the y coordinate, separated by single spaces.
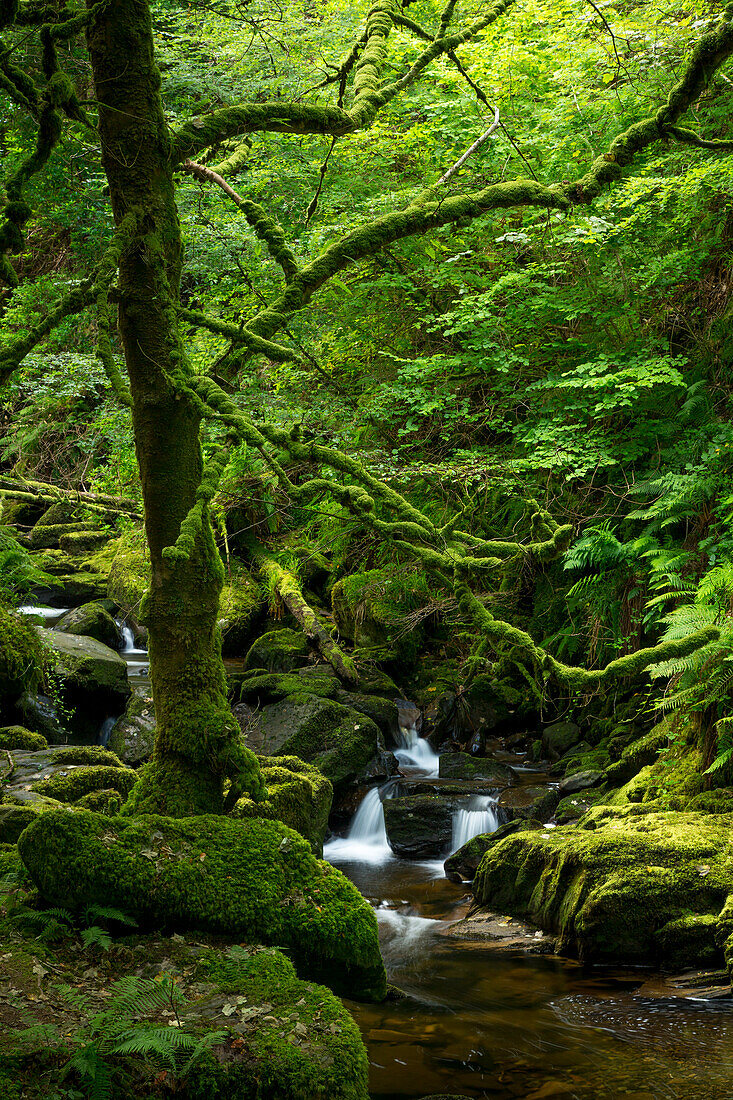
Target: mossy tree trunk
pixel 197 742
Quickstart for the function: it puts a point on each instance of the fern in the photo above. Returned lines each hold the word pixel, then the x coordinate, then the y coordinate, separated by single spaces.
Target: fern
pixel 724 747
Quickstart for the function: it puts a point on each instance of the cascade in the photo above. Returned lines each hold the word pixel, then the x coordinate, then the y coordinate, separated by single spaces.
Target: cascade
pixel 479 817
pixel 366 841
pixel 415 752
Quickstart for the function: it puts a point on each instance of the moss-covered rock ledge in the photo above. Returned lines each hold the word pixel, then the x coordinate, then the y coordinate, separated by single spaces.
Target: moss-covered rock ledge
pixel 254 879
pixel 624 885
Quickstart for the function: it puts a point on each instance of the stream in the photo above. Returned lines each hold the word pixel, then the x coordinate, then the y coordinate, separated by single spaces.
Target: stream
pixel 477 1021
pixel 480 1021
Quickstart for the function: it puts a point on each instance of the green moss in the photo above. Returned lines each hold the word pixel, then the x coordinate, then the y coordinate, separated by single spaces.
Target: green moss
pixel 83 780
pixel 370 609
pixel 13 820
pixel 254 879
pixel 279 651
pixel 86 754
pixel 297 794
pixel 22 656
pixel 17 737
pixel 311 1049
pixel 106 801
pixel 241 606
pixel 129 570
pixel 614 880
pixel 262 688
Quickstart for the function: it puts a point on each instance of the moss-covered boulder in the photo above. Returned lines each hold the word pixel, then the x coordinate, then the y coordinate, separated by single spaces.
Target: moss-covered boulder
pixel 297 794
pixel 241 610
pixel 48 535
pixel 253 879
pixel 383 712
pixel 93 681
pixel 91 620
pixel 621 885
pixel 278 651
pixel 258 687
pixel 339 741
pixel 461 765
pixel 371 610
pixel 128 563
pixel 133 734
pixel 558 738
pixel 461 865
pixel 22 656
pixel 17 737
pixel 14 818
pixel 80 781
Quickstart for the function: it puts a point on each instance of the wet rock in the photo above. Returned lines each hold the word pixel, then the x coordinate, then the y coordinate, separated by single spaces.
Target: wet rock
pixel 133 734
pixel 639 754
pixel 383 712
pixel 339 741
pixel 38 713
pixel 419 826
pixel 408 715
pixel 579 781
pixel 503 933
pixel 529 802
pixel 461 866
pixel 625 885
pixel 558 738
pixel 459 765
pixel 93 681
pixel 91 620
pixel 279 651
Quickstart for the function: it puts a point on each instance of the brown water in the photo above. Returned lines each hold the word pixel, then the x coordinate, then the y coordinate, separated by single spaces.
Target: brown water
pixel 480 1024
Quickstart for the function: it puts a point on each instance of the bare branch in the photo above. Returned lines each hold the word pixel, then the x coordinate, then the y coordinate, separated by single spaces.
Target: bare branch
pixel 470 151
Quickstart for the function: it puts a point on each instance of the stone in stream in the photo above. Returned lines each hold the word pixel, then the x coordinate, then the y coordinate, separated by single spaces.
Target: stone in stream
pixel 419 826
pixel 461 765
pixel 529 802
pixel 91 620
pixel 461 866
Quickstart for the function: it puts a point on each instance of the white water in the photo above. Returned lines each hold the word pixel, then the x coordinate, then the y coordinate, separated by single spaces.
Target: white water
pixel 43 612
pixel 129 649
pixel 415 752
pixel 480 817
pixel 400 933
pixel 366 841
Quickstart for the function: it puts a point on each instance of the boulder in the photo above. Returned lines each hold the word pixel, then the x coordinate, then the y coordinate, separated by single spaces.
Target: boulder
pixel 91 620
pixel 22 657
pixel 38 713
pixel 558 738
pixel 129 570
pixel 93 681
pixel 339 741
pixel 579 781
pixel 258 687
pixel 17 737
pixel 297 794
pixel 383 712
pixel 252 880
pixel 461 765
pixel 521 803
pixel 278 651
pixel 133 735
pixel 241 610
pixel 621 886
pixel 419 826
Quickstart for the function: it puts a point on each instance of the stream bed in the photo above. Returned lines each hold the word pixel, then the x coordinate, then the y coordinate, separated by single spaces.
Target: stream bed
pixel 477 1021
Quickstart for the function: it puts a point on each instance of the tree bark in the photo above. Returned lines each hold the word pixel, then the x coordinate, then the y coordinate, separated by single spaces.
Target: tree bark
pixel 197 742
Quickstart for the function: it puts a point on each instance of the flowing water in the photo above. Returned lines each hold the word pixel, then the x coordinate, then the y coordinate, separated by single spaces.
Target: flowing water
pixel 478 1022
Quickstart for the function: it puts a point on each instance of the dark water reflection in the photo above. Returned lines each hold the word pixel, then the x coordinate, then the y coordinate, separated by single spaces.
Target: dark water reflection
pixel 480 1024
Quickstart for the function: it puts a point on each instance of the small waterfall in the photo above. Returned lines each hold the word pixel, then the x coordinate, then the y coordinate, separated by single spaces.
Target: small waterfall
pixel 367 837
pixel 128 639
pixel 105 731
pixel 415 752
pixel 479 817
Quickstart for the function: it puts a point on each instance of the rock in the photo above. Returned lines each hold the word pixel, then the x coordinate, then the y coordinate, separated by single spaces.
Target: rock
pixel 13 820
pixel 129 570
pixel 93 681
pixel 557 739
pixel 38 712
pixel 582 758
pixel 278 651
pixel 460 765
pixel 574 806
pixel 258 688
pixel 419 826
pixel 461 866
pixel 521 803
pixel 297 794
pixel 252 880
pixel 339 741
pixel 133 734
pixel 17 737
pixel 70 589
pixel 639 754
pixel 622 885
pixel 579 781
pixel 408 715
pixel 504 934
pixel 47 535
pixel 91 620
pixel 383 712
pixel 84 541
pixel 241 610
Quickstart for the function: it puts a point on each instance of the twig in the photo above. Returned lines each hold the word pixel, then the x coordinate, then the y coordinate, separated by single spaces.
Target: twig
pixel 476 145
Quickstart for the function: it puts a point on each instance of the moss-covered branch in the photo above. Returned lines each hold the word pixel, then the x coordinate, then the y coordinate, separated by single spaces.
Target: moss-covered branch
pixel 285 584
pixel 13 353
pixel 19 489
pixel 250 118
